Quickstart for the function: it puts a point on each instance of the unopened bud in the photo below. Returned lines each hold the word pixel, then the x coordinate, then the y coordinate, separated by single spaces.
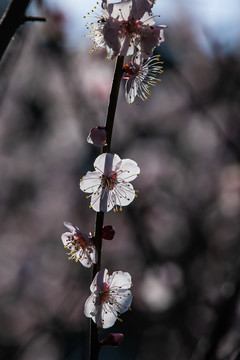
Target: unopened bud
pixel 97 136
pixel 108 232
pixel 113 339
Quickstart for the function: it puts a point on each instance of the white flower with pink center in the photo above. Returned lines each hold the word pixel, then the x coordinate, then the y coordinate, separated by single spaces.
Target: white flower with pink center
pixel 80 246
pixel 124 26
pixel 110 297
pixel 140 75
pixel 109 185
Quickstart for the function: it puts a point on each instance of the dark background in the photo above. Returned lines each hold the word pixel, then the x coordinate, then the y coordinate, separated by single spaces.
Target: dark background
pixel 180 239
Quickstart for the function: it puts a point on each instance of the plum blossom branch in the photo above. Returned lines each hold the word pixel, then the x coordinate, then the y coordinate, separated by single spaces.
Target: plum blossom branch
pixel 94 343
pixel 123 28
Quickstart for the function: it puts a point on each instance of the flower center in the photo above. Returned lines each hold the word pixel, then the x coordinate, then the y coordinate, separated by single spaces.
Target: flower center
pixel 130 26
pixel 103 295
pixel 77 241
pixel 130 70
pixel 109 181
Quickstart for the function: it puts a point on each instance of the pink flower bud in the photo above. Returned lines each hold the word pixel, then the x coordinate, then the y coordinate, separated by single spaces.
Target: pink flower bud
pixel 113 339
pixel 108 232
pixel 97 136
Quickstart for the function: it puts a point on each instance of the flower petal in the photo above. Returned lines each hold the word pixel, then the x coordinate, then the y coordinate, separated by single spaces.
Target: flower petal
pixel 108 316
pixel 120 279
pixel 86 258
pixel 123 301
pixel 151 36
pixel 124 194
pixel 89 307
pixel 102 200
pixel 92 251
pixel 128 170
pixel 105 162
pixel 90 182
pixel 65 238
pixel 131 88
pixel 121 10
pixel 101 277
pixel 70 227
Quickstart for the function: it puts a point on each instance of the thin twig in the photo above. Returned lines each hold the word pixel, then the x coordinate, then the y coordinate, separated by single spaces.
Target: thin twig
pixel 94 343
pixel 34 18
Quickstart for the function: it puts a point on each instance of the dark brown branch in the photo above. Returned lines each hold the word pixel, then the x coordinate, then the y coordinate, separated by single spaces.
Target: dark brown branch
pixel 94 343
pixel 11 20
pixel 34 18
pixel 113 101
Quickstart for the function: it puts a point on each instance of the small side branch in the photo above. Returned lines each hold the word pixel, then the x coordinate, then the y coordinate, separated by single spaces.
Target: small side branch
pixel 11 20
pixel 34 18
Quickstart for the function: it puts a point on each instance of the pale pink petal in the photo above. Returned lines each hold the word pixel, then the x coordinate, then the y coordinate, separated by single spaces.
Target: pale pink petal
pixel 131 88
pixel 127 45
pixel 101 277
pixel 70 227
pixel 110 33
pixel 121 10
pixel 140 7
pixel 147 18
pixel 151 37
pixel 85 258
pixel 92 251
pixel 89 307
pixel 90 182
pixel 108 316
pixel 120 279
pixel 123 300
pixel 65 237
pixel 128 170
pixel 124 193
pixel 137 60
pixel 105 162
pixel 102 201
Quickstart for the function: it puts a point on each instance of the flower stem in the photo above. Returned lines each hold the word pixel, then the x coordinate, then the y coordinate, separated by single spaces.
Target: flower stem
pixel 113 102
pixel 94 343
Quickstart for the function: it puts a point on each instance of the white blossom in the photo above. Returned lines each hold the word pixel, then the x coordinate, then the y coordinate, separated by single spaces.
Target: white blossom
pixel 110 297
pixel 140 75
pixel 124 26
pixel 80 246
pixel 109 185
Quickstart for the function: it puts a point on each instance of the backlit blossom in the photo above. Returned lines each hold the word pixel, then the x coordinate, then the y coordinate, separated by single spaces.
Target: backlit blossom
pixel 110 297
pixel 109 185
pixel 124 26
pixel 80 246
pixel 140 76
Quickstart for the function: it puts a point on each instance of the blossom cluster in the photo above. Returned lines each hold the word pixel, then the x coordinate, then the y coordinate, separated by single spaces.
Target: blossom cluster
pixel 127 28
pixel 110 294
pixel 109 188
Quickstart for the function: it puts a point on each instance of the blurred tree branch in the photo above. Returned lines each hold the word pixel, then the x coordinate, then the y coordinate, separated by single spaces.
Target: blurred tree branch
pixel 11 20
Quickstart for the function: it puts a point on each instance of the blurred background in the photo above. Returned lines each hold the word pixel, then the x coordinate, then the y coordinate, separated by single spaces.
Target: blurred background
pixel 180 239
